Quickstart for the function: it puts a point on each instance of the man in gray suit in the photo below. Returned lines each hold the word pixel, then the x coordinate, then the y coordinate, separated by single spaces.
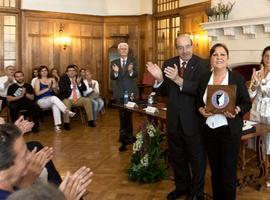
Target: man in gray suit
pixel 123 73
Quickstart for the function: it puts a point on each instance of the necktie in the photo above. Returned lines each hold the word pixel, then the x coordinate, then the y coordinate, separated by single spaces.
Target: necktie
pixel 74 95
pixel 123 63
pixel 181 69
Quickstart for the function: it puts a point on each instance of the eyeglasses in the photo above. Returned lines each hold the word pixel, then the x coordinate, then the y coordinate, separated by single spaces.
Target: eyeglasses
pixel 181 48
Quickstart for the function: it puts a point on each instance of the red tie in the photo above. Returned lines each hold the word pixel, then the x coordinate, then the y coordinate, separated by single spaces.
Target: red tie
pixel 181 69
pixel 74 95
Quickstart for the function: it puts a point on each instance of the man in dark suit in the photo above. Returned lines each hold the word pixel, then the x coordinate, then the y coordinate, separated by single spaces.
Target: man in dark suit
pixel 179 82
pixel 123 73
pixel 71 92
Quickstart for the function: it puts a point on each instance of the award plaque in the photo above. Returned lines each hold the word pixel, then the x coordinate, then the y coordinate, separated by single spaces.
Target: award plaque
pixel 221 98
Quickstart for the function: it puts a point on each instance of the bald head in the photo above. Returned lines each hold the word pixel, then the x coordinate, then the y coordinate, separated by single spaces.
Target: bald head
pixel 184 46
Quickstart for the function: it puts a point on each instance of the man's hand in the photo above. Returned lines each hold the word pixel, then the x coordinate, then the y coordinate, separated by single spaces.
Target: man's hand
pixel 78 80
pixel 74 185
pixel 155 71
pixel 23 92
pixel 130 67
pixel 24 125
pixel 172 73
pixel 36 163
pixel 115 68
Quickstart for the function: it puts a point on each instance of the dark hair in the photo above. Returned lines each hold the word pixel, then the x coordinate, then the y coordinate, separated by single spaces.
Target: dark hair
pixel 41 67
pixel 51 74
pixel 264 52
pixel 39 191
pixel 18 72
pixel 72 66
pixel 33 76
pixel 213 49
pixel 82 69
pixel 8 134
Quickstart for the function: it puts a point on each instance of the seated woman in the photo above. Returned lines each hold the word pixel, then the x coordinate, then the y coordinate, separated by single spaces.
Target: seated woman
pixel 46 98
pixel 54 74
pixel 92 91
pixel 34 76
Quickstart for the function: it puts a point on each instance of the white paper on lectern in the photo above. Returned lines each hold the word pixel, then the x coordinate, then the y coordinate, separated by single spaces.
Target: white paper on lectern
pixel 248 125
pixel 131 104
pixel 151 109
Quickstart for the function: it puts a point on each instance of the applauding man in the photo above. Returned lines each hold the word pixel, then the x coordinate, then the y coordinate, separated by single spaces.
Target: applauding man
pixel 20 96
pixel 123 73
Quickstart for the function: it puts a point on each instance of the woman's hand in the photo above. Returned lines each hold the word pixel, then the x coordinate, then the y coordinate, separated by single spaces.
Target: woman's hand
pixel 256 78
pixel 230 115
pixel 204 113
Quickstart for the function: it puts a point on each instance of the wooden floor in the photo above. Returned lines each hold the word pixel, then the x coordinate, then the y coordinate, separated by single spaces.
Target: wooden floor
pixel 98 148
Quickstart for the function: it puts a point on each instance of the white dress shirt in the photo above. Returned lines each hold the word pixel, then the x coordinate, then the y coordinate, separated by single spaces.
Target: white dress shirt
pixel 216 120
pixel 3 88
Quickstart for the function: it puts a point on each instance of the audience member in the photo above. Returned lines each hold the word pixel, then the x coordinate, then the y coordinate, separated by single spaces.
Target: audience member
pixel 46 98
pixel 83 73
pixel 5 82
pixel 92 91
pixel 54 74
pixel 259 91
pixel 179 82
pixel 34 76
pixel 20 96
pixel 123 74
pixel 39 191
pixel 71 92
pixel 223 131
pixel 20 168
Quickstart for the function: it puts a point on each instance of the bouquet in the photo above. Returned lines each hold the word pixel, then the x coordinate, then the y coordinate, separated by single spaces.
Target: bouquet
pixel 148 159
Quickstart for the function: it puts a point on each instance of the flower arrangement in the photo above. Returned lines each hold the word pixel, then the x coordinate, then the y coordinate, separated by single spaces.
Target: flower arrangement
pixel 220 10
pixel 148 159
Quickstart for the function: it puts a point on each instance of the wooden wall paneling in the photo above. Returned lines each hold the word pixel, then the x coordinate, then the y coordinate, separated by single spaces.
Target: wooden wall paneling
pixel 75 52
pixel 91 37
pixel 86 56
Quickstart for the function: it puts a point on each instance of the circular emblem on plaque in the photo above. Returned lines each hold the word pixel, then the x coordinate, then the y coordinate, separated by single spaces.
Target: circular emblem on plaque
pixel 220 99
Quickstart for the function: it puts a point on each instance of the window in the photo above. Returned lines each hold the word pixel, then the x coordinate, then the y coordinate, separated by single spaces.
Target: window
pixel 9 11
pixel 166 5
pixel 167 30
pixel 9 40
pixel 8 4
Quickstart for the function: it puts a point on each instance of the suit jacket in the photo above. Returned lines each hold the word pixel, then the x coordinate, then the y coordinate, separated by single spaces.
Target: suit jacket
pixel 242 99
pixel 65 89
pixel 181 104
pixel 124 81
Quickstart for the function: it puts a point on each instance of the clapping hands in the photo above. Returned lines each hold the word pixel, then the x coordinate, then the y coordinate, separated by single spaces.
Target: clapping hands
pixel 74 185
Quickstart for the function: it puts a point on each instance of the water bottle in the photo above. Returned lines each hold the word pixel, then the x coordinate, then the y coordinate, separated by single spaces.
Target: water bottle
pixel 126 97
pixel 150 100
pixel 132 97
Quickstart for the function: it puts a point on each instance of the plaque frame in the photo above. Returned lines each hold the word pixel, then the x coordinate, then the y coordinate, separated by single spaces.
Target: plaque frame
pixel 228 95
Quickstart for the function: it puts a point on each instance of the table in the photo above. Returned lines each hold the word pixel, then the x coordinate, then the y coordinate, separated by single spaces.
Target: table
pixel 263 164
pixel 159 118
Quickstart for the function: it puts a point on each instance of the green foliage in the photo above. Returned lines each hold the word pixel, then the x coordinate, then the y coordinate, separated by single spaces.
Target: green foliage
pixel 148 159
